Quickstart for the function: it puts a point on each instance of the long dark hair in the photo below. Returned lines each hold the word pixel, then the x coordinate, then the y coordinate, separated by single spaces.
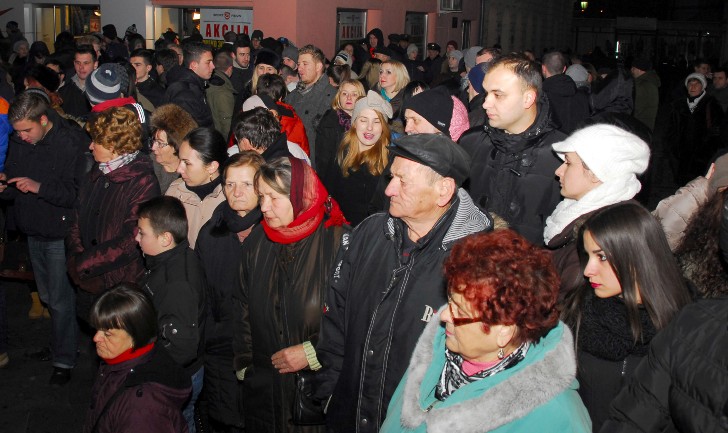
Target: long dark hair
pixel 638 252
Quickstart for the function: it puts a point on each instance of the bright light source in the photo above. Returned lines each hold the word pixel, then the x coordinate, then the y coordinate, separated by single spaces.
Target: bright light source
pixel 97 12
pixel 584 5
pixel 195 15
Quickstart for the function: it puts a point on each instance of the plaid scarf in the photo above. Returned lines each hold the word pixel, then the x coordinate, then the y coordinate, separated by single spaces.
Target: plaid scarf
pixel 118 162
pixel 453 377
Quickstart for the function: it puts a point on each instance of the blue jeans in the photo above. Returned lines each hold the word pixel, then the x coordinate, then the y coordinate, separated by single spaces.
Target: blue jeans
pixel 55 289
pixel 189 410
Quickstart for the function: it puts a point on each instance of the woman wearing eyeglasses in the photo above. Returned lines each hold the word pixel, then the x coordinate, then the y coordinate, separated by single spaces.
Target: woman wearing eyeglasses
pixel 170 124
pixel 219 248
pixel 498 360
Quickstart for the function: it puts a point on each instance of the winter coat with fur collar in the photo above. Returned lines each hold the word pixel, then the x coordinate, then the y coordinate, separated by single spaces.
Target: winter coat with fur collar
pixel 536 395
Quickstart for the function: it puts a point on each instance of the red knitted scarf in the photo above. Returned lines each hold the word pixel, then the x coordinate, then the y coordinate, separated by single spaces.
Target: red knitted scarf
pixel 311 202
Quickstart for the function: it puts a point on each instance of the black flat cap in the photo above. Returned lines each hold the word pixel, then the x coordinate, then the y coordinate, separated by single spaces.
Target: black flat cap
pixel 433 46
pixel 383 50
pixel 435 151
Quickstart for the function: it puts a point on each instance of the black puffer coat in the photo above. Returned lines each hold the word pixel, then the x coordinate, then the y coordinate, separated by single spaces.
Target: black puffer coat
pixel 301 271
pixel 512 175
pixel 187 89
pixel 176 283
pixel 682 384
pixel 220 252
pixel 154 391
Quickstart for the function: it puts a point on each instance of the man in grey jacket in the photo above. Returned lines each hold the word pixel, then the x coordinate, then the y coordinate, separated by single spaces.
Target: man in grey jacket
pixel 313 95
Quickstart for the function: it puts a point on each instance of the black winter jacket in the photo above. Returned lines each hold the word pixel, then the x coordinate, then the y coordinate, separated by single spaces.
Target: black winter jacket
pixel 220 252
pixel 376 308
pixel 187 89
pixel 512 175
pixel 569 107
pixel 328 138
pixel 59 162
pixel 176 281
pixel 301 271
pixel 359 194
pixel 682 384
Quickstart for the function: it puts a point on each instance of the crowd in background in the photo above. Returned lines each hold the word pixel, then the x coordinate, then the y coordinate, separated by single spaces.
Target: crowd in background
pixel 271 238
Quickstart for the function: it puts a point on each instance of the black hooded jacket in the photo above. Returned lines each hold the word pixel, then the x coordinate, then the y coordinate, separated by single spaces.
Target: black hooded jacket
pixel 512 175
pixel 187 89
pixel 569 107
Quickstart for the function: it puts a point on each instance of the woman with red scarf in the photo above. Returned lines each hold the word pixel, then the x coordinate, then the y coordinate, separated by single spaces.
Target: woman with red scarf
pixel 139 388
pixel 285 270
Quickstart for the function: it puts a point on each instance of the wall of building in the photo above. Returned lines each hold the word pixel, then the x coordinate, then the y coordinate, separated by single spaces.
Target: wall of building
pixel 514 24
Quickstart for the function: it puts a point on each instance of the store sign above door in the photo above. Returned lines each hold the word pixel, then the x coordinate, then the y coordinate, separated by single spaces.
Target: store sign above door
pixel 214 23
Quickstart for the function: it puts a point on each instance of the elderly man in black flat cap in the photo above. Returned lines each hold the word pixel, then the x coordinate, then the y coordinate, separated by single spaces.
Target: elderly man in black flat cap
pixel 388 283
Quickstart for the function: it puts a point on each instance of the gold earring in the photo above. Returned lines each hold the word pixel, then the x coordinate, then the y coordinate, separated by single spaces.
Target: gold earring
pixel 501 353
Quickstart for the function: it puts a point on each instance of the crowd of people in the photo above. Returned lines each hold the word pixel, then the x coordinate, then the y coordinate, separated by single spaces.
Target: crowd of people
pixel 262 238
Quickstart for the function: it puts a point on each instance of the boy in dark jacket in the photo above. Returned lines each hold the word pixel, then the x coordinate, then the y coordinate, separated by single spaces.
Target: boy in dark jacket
pixel 176 282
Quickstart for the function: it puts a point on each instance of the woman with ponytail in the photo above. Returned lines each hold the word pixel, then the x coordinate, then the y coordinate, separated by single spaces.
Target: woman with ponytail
pixel 285 270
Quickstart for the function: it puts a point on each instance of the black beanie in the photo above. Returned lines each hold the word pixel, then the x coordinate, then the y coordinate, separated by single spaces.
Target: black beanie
pixel 435 105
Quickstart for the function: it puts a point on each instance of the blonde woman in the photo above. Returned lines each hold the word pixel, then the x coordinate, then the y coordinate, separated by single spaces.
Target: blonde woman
pixel 393 77
pixel 355 178
pixel 336 121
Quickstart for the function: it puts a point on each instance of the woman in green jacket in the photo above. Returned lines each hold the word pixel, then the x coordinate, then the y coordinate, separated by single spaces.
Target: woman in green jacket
pixel 498 360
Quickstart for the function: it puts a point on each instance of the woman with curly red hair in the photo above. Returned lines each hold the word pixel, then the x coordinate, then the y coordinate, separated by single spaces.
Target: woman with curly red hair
pixel 498 359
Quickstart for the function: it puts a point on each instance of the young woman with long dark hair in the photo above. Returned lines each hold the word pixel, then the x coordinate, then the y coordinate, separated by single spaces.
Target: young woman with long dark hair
pixel 635 289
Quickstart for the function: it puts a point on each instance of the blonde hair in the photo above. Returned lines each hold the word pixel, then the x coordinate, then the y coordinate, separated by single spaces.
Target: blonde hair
pixel 400 71
pixel 359 88
pixel 376 158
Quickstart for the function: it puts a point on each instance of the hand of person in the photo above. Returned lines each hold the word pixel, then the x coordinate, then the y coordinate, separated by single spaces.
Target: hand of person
pixel 421 68
pixel 290 360
pixel 25 184
pixel 3 182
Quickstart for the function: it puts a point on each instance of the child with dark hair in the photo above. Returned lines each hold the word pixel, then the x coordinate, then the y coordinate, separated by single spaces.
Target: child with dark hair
pixel 176 282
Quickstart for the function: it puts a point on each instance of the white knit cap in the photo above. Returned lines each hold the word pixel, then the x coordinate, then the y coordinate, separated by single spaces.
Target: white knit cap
pixel 609 151
pixel 697 76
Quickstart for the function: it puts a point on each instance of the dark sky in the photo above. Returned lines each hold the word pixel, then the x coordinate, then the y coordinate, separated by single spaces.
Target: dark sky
pixel 680 10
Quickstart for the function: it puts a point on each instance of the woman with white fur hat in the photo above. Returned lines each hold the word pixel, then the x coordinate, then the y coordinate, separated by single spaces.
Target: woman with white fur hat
pixel 601 165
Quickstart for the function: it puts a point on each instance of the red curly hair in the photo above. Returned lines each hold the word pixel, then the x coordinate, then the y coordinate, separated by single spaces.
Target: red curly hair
pixel 506 281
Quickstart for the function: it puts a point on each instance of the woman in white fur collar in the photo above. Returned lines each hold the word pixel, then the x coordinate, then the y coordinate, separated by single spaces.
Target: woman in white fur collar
pixel 498 360
pixel 601 164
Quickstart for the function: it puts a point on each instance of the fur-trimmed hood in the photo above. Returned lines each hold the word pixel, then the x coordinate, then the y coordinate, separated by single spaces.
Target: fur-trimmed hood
pixel 548 370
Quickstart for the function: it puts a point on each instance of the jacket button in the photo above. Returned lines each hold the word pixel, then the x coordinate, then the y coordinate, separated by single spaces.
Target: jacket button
pixel 63 218
pixel 364 421
pixel 370 353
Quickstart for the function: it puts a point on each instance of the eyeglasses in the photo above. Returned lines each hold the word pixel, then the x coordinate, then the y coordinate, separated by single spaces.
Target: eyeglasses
pixel 460 321
pixel 160 144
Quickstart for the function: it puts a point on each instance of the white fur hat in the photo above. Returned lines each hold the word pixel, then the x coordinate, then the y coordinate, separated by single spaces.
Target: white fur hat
pixel 609 151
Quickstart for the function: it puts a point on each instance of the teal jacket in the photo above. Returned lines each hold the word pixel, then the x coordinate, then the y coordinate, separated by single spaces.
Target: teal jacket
pixel 537 395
